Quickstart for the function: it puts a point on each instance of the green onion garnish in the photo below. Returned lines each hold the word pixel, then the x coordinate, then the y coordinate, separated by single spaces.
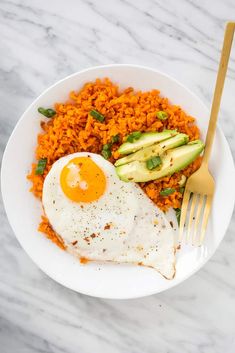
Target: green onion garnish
pixel 181 189
pixel 106 153
pixel 162 115
pixel 95 114
pixel 49 113
pixel 115 138
pixel 106 150
pixel 167 191
pixel 107 146
pixel 178 214
pixel 134 136
pixel 153 162
pixel 41 166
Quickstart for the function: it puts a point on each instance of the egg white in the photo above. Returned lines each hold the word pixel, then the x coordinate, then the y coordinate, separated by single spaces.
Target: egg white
pixel 122 226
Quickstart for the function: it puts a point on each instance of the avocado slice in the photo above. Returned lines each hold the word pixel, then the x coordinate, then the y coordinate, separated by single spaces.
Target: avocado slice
pixel 145 140
pixel 172 161
pixel 154 150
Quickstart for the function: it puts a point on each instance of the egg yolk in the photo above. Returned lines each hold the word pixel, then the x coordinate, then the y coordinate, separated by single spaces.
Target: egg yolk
pixel 82 180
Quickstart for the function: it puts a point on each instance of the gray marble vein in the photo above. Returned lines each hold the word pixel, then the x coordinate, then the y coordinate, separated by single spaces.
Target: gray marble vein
pixel 42 42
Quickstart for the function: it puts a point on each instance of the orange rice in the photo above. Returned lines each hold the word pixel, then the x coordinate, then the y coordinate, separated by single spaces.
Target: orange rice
pixel 74 130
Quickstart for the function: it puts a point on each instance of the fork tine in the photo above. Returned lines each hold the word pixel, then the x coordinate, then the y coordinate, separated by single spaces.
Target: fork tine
pixel 183 214
pixel 192 208
pixel 197 218
pixel 205 218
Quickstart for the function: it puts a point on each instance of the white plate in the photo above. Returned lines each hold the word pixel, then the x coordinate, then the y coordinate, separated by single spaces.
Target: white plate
pixel 24 210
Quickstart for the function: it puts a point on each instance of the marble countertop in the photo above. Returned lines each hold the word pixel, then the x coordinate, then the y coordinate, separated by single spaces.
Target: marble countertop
pixel 42 42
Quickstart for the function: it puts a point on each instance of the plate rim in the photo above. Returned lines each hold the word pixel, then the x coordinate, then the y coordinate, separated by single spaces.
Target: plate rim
pixel 4 196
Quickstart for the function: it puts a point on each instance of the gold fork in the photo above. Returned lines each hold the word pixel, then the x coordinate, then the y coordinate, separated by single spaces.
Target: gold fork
pixel 200 186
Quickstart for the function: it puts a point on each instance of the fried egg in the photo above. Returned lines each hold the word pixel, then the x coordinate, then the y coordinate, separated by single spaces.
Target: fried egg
pixel 101 218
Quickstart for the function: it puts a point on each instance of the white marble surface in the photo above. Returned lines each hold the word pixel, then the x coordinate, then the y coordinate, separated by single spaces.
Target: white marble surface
pixel 43 41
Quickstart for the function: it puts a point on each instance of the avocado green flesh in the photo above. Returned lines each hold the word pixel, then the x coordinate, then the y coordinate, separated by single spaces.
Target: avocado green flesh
pixel 146 139
pixel 154 150
pixel 172 161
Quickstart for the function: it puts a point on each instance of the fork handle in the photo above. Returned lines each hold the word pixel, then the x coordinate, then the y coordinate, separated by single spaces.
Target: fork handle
pixel 225 54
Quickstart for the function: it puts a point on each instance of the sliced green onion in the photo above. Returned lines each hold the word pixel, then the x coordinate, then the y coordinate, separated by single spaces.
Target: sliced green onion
pixel 134 136
pixel 106 150
pixel 153 162
pixel 95 114
pixel 167 191
pixel 178 214
pixel 181 189
pixel 107 146
pixel 115 138
pixel 162 115
pixel 49 113
pixel 106 153
pixel 41 166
